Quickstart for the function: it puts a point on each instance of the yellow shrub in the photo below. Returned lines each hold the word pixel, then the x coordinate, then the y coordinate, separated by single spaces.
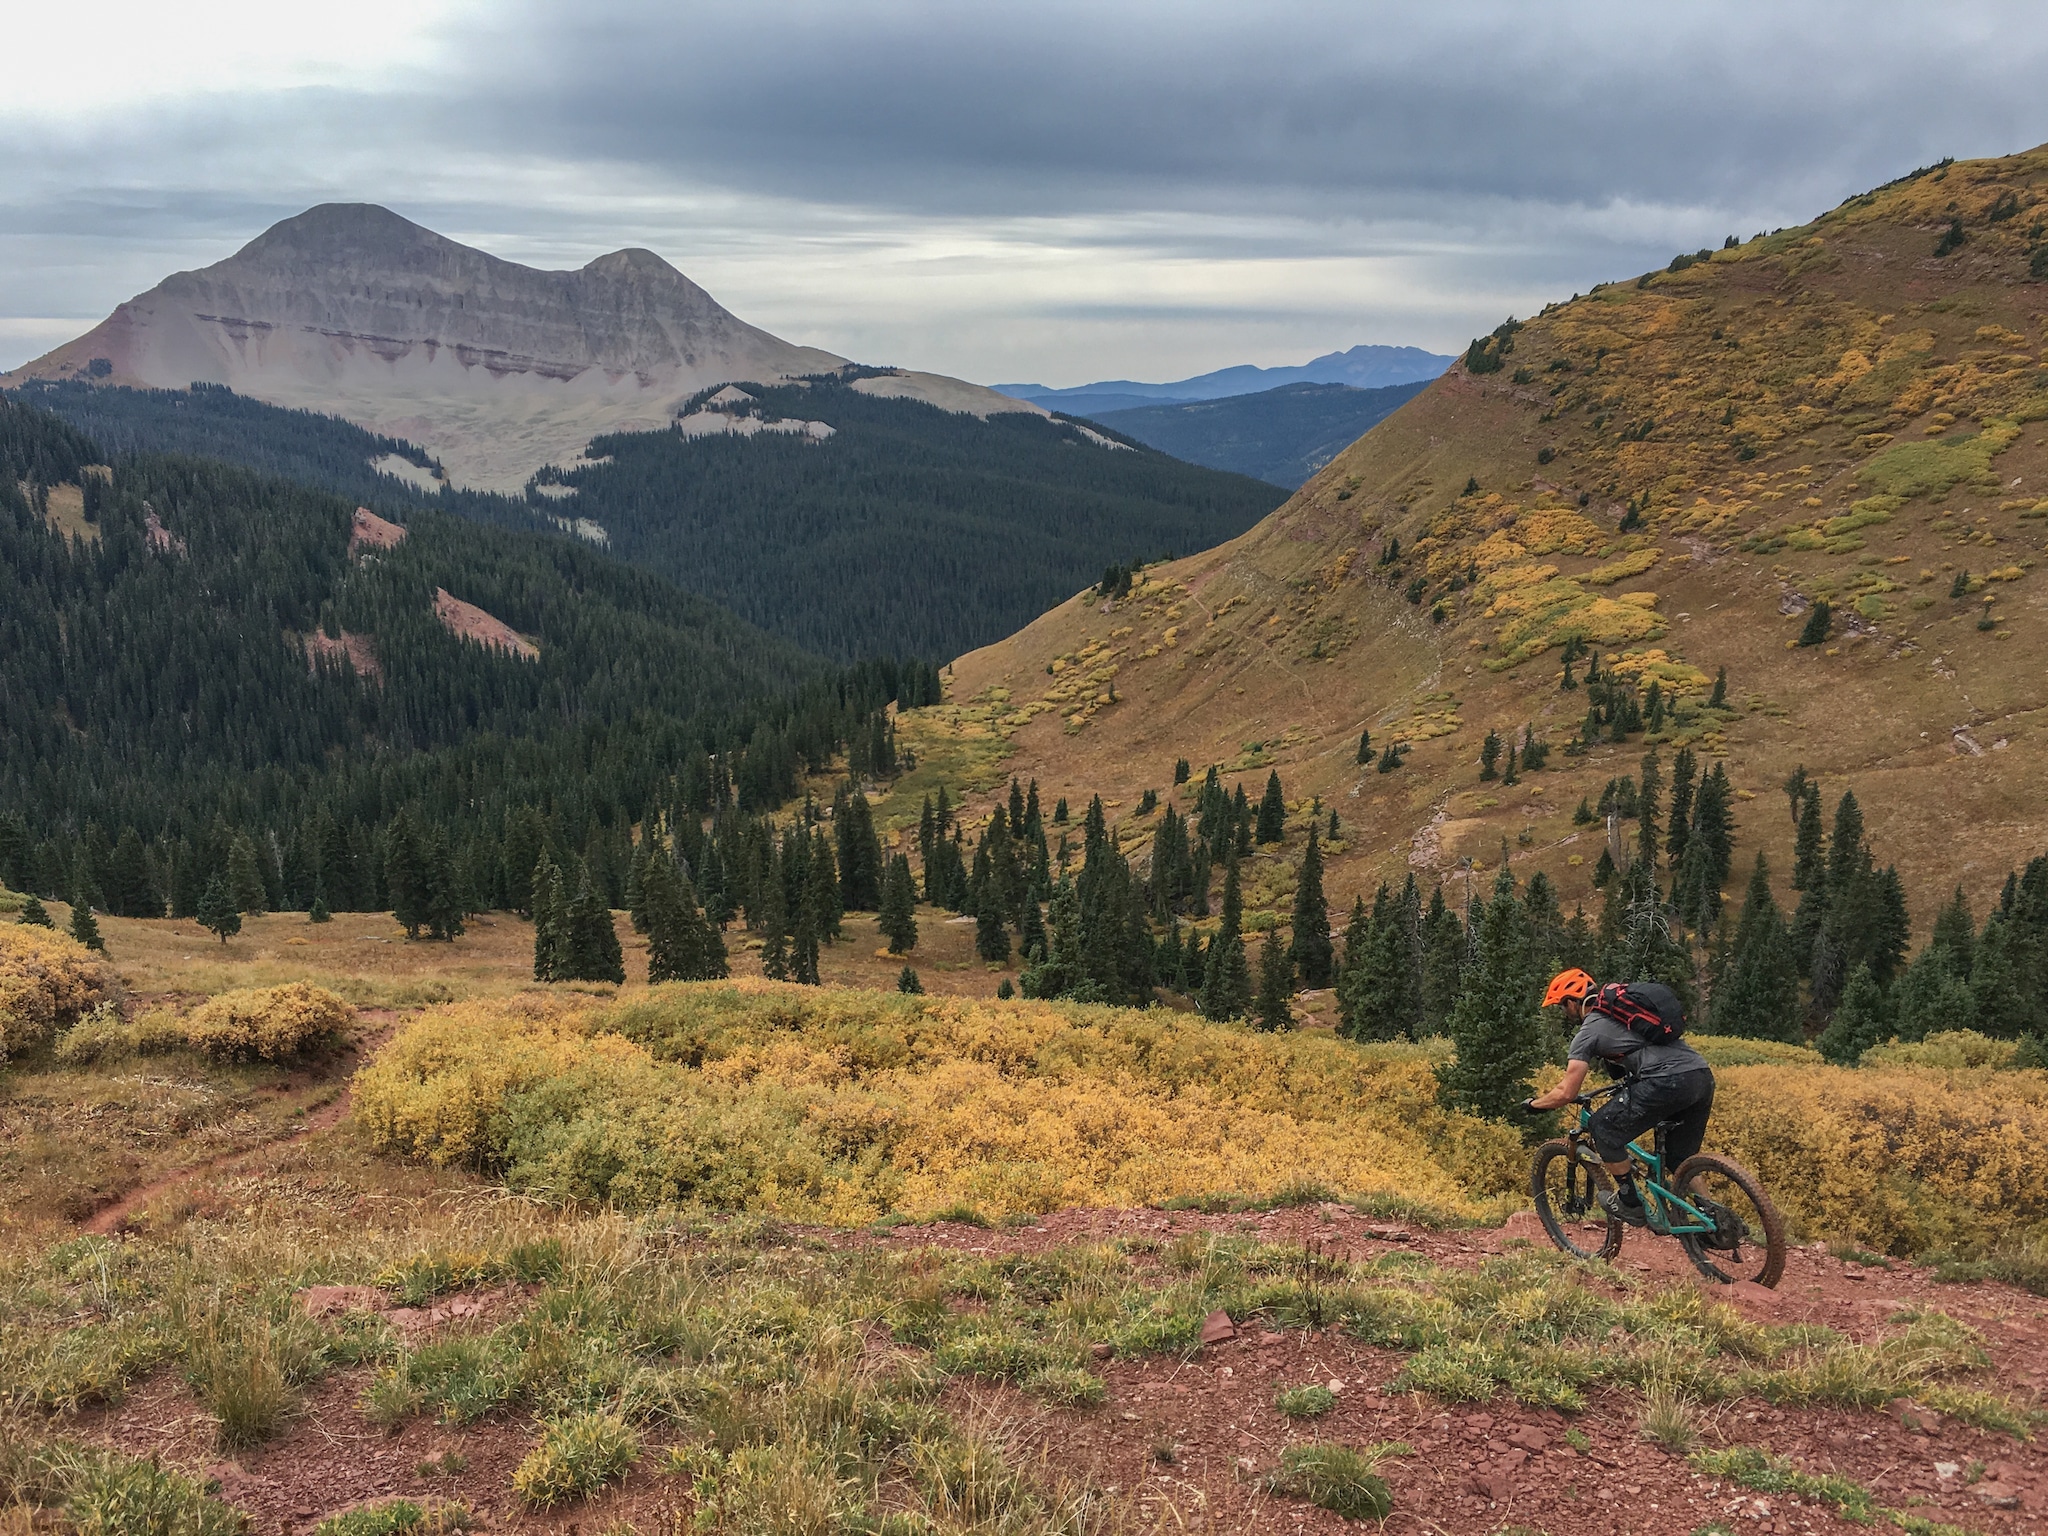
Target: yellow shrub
pixel 266 1023
pixel 1901 1159
pixel 840 1106
pixel 46 980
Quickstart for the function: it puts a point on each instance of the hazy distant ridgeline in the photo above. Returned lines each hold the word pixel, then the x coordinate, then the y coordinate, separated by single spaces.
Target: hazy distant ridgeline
pixel 1281 435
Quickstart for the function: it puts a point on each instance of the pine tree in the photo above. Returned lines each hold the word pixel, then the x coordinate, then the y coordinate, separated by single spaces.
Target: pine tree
pixel 1638 944
pixel 1226 976
pixel 1498 1037
pixel 1443 964
pixel 1274 1012
pixel 318 912
pixel 2002 1008
pixel 1031 939
pixel 1816 630
pixel 1311 953
pixel 548 904
pixel 245 875
pixel 1357 936
pixel 1378 996
pixel 1646 810
pixel 991 938
pixel 1683 767
pixel 405 874
pixel 443 901
pixel 1956 931
pixel 1861 1020
pixel 1364 748
pixel 131 888
pixel 35 914
pixel 898 916
pixel 774 929
pixel 217 910
pixel 908 984
pixel 1489 755
pixel 1272 811
pixel 1719 698
pixel 1756 993
pixel 84 927
pixel 593 943
pixel 861 866
pixel 1934 997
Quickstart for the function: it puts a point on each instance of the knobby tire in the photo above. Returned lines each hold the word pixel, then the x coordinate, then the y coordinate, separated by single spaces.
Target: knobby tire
pixel 1555 1173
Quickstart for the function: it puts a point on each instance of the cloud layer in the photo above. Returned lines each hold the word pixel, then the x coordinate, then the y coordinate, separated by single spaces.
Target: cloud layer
pixel 1054 192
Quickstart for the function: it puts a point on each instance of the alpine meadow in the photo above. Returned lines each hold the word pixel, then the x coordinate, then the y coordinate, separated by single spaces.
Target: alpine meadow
pixel 609 922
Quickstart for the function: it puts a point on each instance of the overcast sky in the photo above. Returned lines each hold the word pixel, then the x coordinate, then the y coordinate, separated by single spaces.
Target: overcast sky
pixel 1050 192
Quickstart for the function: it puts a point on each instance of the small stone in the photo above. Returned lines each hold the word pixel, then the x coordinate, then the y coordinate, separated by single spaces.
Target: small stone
pixel 1998 1495
pixel 1336 1385
pixel 1101 1351
pixel 1217 1328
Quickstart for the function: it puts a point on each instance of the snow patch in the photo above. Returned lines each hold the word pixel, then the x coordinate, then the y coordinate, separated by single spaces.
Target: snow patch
pixel 588 529
pixel 412 474
pixel 719 424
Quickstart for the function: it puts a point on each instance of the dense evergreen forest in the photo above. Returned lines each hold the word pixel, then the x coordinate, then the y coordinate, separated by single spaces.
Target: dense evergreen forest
pixel 911 531
pixel 935 529
pixel 167 714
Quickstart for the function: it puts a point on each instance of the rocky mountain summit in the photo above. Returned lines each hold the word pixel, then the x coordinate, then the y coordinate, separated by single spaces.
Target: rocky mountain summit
pixel 495 367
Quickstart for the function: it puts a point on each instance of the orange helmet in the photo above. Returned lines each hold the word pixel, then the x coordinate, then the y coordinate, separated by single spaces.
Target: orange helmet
pixel 1564 984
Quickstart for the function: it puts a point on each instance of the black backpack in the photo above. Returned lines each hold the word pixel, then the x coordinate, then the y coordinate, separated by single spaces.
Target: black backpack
pixel 1649 1010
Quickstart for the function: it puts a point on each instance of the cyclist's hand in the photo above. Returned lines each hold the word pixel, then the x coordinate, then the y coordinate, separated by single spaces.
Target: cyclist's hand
pixel 1529 1107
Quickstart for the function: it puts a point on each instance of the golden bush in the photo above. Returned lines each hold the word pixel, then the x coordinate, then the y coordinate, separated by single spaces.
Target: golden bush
pixel 266 1023
pixel 47 980
pixel 843 1105
pixel 1901 1159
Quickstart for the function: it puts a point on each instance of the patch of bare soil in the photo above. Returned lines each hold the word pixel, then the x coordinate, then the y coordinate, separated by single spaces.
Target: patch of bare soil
pixel 466 621
pixel 369 531
pixel 360 650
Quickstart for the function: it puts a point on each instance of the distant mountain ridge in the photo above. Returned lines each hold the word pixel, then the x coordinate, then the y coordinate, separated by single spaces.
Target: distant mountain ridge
pixel 494 367
pixel 1362 367
pixel 1281 436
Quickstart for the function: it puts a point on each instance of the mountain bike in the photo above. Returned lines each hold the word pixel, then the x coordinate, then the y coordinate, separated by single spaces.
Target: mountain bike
pixel 1713 1205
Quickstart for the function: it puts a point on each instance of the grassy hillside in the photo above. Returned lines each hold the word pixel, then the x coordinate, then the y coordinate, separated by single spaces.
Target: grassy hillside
pixel 1280 435
pixel 1670 472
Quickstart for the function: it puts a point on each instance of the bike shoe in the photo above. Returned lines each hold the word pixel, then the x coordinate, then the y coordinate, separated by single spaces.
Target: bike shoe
pixel 1620 1210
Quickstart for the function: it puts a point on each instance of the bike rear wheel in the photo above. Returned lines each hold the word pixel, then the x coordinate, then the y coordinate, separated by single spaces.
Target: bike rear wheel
pixel 1751 1242
pixel 1563 1183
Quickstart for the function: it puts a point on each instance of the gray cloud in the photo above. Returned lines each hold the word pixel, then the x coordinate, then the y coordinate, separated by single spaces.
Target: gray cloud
pixel 1059 190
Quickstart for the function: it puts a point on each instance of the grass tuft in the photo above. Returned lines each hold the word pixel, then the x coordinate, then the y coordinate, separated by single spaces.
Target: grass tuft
pixel 574 1458
pixel 1669 1418
pixel 1310 1402
pixel 1338 1478
pixel 397 1517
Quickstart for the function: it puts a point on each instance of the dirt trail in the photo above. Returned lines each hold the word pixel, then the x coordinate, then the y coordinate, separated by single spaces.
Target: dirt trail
pixel 114 1217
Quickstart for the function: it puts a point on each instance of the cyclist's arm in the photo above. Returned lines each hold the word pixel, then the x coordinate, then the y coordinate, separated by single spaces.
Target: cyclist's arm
pixel 1574 1078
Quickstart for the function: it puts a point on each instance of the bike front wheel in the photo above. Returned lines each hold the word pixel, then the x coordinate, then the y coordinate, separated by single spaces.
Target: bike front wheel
pixel 1564 1184
pixel 1749 1243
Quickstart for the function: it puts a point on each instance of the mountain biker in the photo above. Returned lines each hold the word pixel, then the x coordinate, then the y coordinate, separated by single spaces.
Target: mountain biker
pixel 1669 1085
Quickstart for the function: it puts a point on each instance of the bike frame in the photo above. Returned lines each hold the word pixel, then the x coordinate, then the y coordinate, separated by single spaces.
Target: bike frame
pixel 1665 1212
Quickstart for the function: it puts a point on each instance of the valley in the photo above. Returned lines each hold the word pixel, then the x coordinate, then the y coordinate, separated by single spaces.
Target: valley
pixel 610 922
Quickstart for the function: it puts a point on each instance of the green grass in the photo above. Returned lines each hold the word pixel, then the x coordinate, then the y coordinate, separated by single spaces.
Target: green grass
pixel 1754 1468
pixel 97 1492
pixel 397 1517
pixel 573 1458
pixel 1338 1478
pixel 1310 1402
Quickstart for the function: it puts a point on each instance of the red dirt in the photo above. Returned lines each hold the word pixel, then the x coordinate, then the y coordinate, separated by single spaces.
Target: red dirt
pixel 1475 1468
pixel 369 531
pixel 360 650
pixel 466 621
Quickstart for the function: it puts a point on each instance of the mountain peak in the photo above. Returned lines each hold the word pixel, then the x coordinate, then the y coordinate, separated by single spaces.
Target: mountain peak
pixel 357 229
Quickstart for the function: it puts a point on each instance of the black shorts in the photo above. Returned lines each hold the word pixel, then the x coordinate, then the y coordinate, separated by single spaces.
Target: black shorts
pixel 1680 1103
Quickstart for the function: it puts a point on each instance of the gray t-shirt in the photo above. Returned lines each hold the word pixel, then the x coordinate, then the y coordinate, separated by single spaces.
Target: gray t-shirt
pixel 1600 1039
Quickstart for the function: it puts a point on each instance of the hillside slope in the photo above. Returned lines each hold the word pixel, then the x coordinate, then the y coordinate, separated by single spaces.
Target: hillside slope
pixel 1850 411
